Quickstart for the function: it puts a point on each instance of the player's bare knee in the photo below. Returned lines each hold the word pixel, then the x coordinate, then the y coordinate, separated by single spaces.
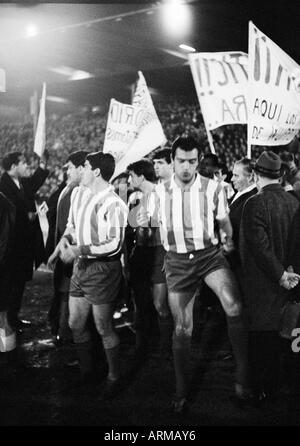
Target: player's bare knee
pixel 103 327
pixel 111 340
pixel 161 309
pixel 233 308
pixel 183 330
pixel 75 324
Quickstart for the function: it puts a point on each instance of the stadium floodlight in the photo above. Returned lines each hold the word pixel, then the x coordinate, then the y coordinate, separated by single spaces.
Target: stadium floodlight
pixel 176 16
pixel 187 48
pixel 31 31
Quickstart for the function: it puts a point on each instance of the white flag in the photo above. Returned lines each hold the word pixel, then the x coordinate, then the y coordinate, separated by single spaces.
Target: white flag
pixel 40 134
pixel 221 84
pixel 141 96
pixel 132 131
pixel 274 98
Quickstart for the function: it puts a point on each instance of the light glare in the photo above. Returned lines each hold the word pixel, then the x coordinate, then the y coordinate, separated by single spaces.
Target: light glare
pixel 31 31
pixel 187 48
pixel 176 17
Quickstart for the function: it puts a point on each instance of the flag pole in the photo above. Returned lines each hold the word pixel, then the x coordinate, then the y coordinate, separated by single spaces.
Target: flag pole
pixel 209 135
pixel 248 149
pixel 210 140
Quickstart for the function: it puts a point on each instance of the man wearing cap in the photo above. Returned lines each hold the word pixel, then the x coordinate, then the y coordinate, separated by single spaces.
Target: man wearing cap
pixel 265 226
pixel 58 313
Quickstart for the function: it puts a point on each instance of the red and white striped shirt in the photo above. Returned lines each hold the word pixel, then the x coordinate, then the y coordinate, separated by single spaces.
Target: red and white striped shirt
pixel 97 222
pixel 187 216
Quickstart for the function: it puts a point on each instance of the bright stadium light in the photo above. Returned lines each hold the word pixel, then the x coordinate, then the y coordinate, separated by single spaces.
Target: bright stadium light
pixel 187 48
pixel 31 31
pixel 176 16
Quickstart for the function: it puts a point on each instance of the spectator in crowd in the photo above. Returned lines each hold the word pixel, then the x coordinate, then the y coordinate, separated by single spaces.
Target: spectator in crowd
pixel 28 248
pixel 192 256
pixel 209 165
pixel 222 175
pixel 121 186
pixel 266 222
pixel 163 164
pixel 146 264
pixel 95 243
pixel 7 234
pixel 86 130
pixel 58 313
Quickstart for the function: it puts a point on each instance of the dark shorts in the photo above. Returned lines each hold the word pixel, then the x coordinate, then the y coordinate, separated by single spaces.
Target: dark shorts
pixel 98 282
pixel 184 272
pixel 147 264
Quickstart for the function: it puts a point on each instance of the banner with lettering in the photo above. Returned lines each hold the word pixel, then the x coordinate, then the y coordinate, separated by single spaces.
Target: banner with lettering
pixel 121 129
pixel 132 131
pixel 274 94
pixel 221 84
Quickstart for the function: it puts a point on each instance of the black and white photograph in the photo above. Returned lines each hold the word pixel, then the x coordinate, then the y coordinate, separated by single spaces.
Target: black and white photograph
pixel 150 216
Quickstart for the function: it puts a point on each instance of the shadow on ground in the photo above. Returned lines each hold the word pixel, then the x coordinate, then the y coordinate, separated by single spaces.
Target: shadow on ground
pixel 42 390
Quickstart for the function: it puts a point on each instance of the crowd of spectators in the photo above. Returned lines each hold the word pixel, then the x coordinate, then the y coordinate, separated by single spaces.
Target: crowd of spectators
pixel 85 130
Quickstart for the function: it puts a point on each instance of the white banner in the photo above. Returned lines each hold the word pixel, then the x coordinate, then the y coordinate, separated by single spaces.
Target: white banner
pixel 40 134
pixel 132 131
pixel 221 84
pixel 122 126
pixel 274 98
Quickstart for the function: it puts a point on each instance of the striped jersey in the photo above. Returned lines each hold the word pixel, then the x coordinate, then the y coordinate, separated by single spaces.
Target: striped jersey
pixel 187 216
pixel 97 222
pixel 147 236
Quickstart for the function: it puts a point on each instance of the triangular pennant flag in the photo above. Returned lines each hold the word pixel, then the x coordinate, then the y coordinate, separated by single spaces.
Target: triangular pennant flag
pixel 134 130
pixel 40 135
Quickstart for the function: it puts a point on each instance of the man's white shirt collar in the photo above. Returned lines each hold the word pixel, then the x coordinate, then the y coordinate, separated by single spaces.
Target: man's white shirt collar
pixel 17 182
pixel 245 191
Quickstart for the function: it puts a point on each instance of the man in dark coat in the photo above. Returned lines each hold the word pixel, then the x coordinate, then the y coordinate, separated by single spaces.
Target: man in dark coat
pixel 58 313
pixel 28 248
pixel 243 182
pixel 265 227
pixel 7 221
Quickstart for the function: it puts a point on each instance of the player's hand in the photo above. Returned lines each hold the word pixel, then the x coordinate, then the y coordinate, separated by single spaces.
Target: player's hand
pixel 68 253
pixel 51 261
pixel 289 279
pixel 228 246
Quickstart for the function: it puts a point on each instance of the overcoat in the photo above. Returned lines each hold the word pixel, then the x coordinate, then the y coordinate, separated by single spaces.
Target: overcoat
pixel 28 247
pixel 235 215
pixel 266 223
pixel 7 222
pixel 294 254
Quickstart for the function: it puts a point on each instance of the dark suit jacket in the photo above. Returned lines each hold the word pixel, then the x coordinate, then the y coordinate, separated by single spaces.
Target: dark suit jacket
pixel 62 271
pixel 7 230
pixel 266 223
pixel 294 254
pixel 235 215
pixel 51 217
pixel 28 241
